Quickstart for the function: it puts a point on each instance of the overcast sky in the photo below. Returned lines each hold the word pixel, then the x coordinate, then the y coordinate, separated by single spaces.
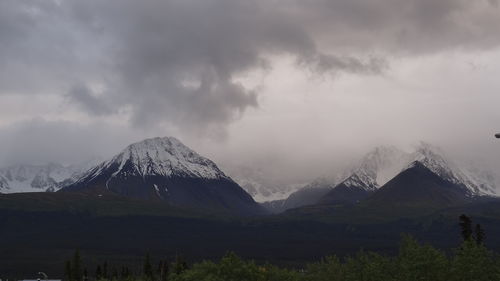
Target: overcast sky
pixel 292 87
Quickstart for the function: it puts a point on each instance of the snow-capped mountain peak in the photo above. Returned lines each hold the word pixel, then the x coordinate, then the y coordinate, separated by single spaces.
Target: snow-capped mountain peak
pixel 165 156
pixel 377 167
pixel 438 162
pixel 164 169
pixel 34 178
pixel 385 162
pixel 433 158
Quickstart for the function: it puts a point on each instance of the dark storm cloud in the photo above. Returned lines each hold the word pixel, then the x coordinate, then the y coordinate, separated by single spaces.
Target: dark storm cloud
pixel 178 61
pixel 169 61
pixel 41 49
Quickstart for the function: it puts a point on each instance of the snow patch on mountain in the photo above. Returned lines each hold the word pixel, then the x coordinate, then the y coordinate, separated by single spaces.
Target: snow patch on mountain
pixel 33 178
pixel 377 168
pixel 384 163
pixel 262 186
pixel 39 178
pixel 160 157
pixel 473 179
pixel 262 192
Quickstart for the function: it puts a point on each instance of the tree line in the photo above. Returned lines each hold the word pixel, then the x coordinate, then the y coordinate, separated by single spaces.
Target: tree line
pixel 471 261
pixel 75 271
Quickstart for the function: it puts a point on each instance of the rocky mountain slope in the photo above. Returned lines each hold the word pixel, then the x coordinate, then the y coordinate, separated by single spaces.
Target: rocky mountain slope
pixel 165 169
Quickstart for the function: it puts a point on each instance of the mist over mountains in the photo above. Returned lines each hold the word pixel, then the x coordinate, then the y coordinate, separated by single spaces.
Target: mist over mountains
pixel 379 167
pixel 154 160
pixel 40 178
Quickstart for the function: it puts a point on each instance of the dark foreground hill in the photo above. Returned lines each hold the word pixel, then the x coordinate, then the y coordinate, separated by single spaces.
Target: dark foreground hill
pixel 39 231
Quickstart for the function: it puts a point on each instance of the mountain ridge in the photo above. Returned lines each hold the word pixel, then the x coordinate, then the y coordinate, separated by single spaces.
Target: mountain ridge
pixel 34 178
pixel 391 161
pixel 383 163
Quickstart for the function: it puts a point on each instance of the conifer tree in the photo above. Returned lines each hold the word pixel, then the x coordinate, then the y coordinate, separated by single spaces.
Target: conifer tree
pixel 479 234
pixel 147 269
pixel 85 274
pixel 179 266
pixel 114 276
pixel 76 272
pixel 466 226
pixel 124 272
pixel 98 272
pixel 67 271
pixel 160 265
pixel 163 270
pixel 105 270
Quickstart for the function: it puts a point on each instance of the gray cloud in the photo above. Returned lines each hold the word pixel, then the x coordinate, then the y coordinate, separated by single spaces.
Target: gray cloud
pixel 178 63
pixel 168 61
pixel 85 97
pixel 39 141
pixel 157 46
pixel 177 60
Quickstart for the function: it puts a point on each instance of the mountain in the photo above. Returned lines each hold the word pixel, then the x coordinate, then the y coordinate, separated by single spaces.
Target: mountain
pixel 35 178
pixel 164 169
pixel 350 185
pixel 436 160
pixel 308 195
pixel 375 169
pixel 419 186
pixel 385 163
pixel 356 183
pixel 344 194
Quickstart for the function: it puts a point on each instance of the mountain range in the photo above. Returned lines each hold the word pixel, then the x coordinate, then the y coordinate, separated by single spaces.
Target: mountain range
pixel 262 186
pixel 164 169
pixel 39 178
pixel 388 169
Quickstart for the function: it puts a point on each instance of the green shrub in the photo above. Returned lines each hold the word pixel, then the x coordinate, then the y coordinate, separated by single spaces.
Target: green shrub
pixel 473 262
pixel 233 268
pixel 415 262
pixel 421 262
